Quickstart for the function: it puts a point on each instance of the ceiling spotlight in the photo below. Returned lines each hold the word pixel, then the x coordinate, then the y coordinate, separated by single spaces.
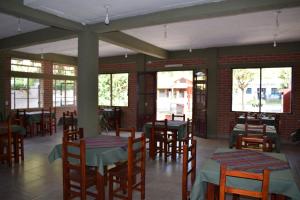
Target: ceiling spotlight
pixel 42 54
pixel 19 25
pixel 190 50
pixel 126 56
pixel 106 21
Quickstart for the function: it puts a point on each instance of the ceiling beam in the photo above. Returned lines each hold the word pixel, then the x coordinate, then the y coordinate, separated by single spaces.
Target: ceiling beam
pixel 204 11
pixel 16 8
pixel 35 37
pixel 123 40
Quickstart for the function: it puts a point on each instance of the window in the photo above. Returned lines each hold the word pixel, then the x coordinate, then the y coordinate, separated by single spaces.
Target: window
pixel 23 65
pixel 64 93
pixel 271 89
pixel 64 90
pixel 113 89
pixel 66 70
pixel 26 93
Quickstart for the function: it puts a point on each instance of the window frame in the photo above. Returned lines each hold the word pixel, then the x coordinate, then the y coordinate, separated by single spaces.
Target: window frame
pixel 64 70
pixel 40 71
pixel 40 94
pixel 260 86
pixel 111 90
pixel 63 90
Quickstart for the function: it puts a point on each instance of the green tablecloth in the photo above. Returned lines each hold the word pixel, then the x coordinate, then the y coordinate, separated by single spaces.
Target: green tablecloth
pixel 34 117
pixel 16 129
pixel 270 132
pixel 98 157
pixel 180 126
pixel 281 181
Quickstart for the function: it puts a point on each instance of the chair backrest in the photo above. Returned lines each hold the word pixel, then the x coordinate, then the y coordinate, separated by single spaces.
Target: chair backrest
pixel 71 135
pixel 6 134
pixel 69 121
pixel 188 167
pixel 189 129
pixel 178 117
pixel 264 178
pixel 159 126
pixel 131 131
pixel 136 160
pixel 255 129
pixel 74 161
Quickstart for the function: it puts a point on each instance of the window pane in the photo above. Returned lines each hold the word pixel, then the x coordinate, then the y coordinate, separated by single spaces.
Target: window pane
pixel 59 69
pixel 20 91
pixel 245 89
pixel 34 93
pixel 120 89
pixel 23 65
pixel 104 89
pixel 276 90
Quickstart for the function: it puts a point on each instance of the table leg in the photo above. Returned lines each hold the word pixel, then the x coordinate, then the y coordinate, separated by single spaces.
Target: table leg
pixel 16 148
pixel 174 145
pixel 100 187
pixel 210 191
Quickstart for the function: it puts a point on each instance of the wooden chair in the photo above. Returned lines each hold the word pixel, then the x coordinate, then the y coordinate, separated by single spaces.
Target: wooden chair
pixel 178 117
pixel 6 142
pixel 73 135
pixel 77 177
pixel 18 140
pixel 125 176
pixel 264 178
pixel 160 142
pixel 130 131
pixel 51 122
pixel 69 122
pixel 189 158
pixel 255 136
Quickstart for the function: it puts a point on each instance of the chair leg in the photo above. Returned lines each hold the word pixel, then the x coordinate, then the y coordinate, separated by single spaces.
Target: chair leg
pixel 110 187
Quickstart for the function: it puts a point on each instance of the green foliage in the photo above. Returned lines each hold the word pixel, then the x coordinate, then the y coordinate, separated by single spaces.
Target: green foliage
pixel 285 76
pixel 243 77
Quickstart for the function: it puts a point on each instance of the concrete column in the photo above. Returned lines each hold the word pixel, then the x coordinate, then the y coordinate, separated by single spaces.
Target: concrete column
pixel 87 82
pixel 212 66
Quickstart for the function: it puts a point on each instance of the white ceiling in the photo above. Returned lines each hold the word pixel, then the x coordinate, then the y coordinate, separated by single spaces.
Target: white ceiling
pixel 9 26
pixel 253 28
pixel 92 11
pixel 69 48
pixel 244 29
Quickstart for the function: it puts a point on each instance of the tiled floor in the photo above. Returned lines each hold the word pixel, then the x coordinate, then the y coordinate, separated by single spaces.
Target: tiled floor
pixel 37 179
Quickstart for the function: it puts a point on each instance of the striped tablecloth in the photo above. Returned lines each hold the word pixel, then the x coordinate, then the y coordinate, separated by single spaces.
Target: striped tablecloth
pixel 106 141
pixel 246 160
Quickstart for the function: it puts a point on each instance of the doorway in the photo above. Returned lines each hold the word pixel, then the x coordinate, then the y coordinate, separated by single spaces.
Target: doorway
pixel 174 94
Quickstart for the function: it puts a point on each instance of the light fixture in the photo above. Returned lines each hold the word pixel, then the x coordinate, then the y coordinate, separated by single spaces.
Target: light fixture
pixel 165 31
pixel 106 21
pixel 276 28
pixel 190 50
pixel 19 25
pixel 126 56
pixel 274 42
pixel 42 53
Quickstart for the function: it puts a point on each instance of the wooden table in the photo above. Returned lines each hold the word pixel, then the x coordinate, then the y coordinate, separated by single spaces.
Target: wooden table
pixel 101 151
pixel 18 133
pixel 177 127
pixel 240 129
pixel 282 182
